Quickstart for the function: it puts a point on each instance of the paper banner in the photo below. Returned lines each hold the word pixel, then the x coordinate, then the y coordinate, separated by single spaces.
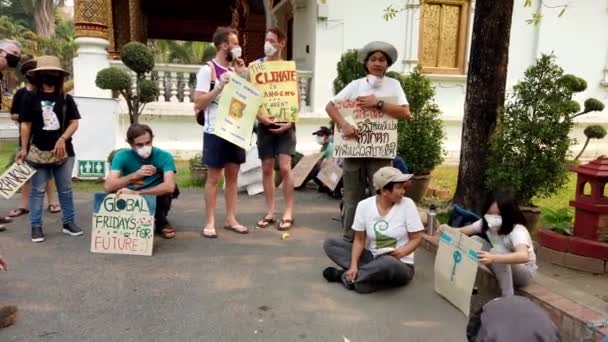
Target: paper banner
pixel 238 107
pixel 278 82
pixel 330 174
pixel 377 133
pixel 303 168
pixel 13 179
pixel 456 268
pixel 123 225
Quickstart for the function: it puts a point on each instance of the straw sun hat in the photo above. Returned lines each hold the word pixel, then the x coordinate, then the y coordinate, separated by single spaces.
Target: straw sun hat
pixel 48 63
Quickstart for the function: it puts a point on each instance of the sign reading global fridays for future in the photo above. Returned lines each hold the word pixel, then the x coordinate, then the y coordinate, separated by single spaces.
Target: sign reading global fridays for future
pixel 123 224
pixel 237 110
pixel 377 133
pixel 278 82
pixel 14 178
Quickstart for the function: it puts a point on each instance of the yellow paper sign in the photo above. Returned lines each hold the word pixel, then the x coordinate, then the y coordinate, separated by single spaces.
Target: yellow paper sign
pixel 237 109
pixel 278 82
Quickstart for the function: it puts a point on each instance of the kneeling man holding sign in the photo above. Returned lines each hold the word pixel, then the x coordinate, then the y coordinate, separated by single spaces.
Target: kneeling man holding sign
pixel 145 170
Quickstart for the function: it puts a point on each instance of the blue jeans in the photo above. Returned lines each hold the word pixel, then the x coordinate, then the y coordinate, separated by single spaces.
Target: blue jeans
pixel 63 181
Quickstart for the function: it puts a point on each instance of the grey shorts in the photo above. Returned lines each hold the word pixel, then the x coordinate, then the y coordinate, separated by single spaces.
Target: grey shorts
pixel 270 145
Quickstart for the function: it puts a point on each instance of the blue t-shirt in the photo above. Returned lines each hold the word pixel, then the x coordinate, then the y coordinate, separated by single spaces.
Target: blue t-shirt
pixel 127 162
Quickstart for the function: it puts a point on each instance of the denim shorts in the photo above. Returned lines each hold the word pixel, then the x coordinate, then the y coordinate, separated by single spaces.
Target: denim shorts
pixel 218 152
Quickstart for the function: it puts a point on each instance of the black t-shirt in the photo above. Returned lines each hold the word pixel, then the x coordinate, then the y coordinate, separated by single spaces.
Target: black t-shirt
pixel 45 112
pixel 17 106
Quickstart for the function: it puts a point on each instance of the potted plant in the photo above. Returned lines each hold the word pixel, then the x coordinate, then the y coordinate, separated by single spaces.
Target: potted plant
pixel 198 171
pixel 421 137
pixel 531 143
pixel 559 220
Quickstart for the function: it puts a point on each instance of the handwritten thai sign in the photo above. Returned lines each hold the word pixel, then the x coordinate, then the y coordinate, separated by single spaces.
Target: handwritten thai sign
pixel 456 268
pixel 14 178
pixel 123 224
pixel 304 167
pixel 377 133
pixel 278 81
pixel 237 109
pixel 330 174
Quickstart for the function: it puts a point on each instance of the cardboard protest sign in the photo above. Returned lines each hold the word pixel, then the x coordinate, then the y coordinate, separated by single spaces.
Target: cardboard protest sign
pixel 237 110
pixel 330 174
pixel 14 178
pixel 377 133
pixel 303 168
pixel 123 224
pixel 278 81
pixel 456 268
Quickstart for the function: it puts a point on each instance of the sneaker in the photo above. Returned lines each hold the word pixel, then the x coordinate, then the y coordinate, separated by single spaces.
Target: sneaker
pixel 8 315
pixel 332 274
pixel 37 234
pixel 72 229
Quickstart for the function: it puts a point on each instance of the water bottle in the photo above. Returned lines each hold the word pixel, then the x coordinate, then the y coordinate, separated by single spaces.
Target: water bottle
pixel 431 219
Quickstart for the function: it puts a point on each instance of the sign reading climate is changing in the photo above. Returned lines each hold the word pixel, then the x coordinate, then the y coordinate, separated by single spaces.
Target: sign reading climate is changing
pixel 278 81
pixel 123 224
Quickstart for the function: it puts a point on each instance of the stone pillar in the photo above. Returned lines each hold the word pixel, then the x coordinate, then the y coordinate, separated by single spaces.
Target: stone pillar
pixel 412 32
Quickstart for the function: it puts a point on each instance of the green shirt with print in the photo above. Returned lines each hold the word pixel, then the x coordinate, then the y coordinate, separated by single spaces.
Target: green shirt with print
pixel 128 161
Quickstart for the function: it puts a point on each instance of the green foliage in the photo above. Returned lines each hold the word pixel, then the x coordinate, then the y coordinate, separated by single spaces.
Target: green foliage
pixel 529 148
pixel 196 161
pixel 349 69
pixel 113 78
pixel 112 154
pixel 595 132
pixel 593 105
pixel 148 91
pixel 137 57
pixel 421 137
pixel 558 220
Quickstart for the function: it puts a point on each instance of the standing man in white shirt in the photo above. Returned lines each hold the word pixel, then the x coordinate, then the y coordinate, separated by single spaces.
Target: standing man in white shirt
pixel 219 155
pixel 387 229
pixel 376 58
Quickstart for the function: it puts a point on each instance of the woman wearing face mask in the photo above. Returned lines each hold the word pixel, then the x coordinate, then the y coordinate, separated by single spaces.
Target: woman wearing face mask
pixel 507 245
pixel 48 122
pixel 368 92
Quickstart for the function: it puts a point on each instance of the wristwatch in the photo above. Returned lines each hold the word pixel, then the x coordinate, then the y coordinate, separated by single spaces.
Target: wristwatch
pixel 380 105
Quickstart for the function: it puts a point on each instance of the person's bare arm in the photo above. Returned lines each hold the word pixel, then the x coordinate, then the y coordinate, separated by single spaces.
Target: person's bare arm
pixel 26 133
pixel 347 129
pixel 397 111
pixel 202 99
pixel 115 181
pixel 164 188
pixel 520 256
pixel 414 241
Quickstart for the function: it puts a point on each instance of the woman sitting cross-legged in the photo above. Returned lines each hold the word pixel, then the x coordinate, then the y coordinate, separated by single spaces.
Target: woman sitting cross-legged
pixel 507 245
pixel 387 229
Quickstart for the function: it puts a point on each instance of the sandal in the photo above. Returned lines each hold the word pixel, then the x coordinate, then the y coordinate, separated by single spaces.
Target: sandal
pixel 285 224
pixel 18 212
pixel 237 228
pixel 167 232
pixel 266 222
pixel 54 208
pixel 2 227
pixel 209 233
pixel 4 220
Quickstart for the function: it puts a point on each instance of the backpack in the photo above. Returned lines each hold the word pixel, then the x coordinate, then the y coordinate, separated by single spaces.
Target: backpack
pixel 200 115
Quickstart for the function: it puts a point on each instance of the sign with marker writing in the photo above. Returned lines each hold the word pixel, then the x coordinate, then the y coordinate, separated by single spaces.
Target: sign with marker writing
pixel 278 81
pixel 456 267
pixel 14 178
pixel 330 173
pixel 91 168
pixel 304 167
pixel 377 133
pixel 123 224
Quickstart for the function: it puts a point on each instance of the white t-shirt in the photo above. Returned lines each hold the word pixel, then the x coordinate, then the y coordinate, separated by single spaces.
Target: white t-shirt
pixel 518 236
pixel 203 82
pixel 390 88
pixel 385 234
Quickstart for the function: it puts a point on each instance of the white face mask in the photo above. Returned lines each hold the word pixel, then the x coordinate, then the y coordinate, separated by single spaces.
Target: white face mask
pixel 494 222
pixel 236 52
pixel 374 81
pixel 269 49
pixel 144 152
pixel 320 140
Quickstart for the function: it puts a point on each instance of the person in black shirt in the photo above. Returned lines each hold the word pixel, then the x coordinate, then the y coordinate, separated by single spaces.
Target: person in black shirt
pixel 16 110
pixel 49 120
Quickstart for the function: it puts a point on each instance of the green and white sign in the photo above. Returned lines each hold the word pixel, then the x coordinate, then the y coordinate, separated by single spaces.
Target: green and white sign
pixel 91 168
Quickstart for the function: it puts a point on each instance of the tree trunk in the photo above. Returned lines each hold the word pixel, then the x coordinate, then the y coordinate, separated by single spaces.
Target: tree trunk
pixel 582 150
pixel 44 17
pixel 486 81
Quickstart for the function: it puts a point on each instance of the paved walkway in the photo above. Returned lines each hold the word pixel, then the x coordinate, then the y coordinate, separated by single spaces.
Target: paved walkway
pixel 253 287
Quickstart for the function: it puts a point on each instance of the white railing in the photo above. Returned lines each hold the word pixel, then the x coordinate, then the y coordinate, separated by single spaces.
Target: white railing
pixel 177 83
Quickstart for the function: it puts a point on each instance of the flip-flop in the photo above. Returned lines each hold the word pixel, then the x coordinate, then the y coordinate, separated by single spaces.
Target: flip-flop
pixel 266 222
pixel 6 219
pixel 18 212
pixel 2 227
pixel 289 223
pixel 237 228
pixel 54 208
pixel 167 233
pixel 207 235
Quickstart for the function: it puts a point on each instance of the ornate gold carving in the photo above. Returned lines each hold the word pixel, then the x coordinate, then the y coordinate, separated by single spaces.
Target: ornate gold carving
pixel 450 19
pixel 430 34
pixel 91 18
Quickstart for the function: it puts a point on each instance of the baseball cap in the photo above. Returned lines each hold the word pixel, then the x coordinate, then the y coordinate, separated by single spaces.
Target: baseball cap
pixel 323 130
pixel 389 174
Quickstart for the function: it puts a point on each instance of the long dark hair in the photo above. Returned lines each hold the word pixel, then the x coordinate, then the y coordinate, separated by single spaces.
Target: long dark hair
pixel 509 211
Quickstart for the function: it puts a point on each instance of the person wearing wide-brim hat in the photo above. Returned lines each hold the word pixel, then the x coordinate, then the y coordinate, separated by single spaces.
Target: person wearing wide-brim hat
pixel 374 91
pixel 48 121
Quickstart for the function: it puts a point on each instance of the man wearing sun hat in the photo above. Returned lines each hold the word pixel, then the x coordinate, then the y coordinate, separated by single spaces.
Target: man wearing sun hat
pixel 387 232
pixel 368 92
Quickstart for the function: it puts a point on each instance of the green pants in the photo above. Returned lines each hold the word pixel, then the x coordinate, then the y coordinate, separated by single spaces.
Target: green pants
pixel 357 177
